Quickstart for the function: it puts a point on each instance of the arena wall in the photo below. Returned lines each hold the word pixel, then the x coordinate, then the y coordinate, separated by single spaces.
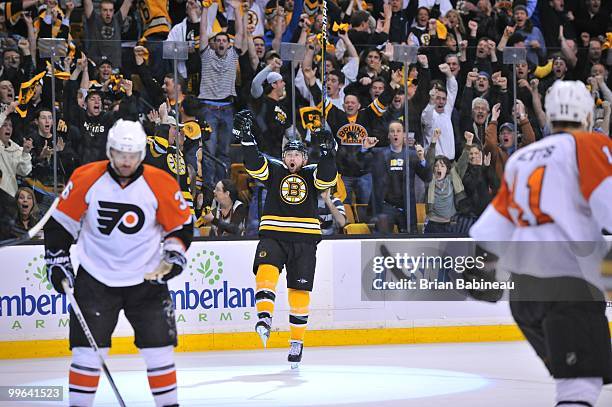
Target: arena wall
pixel 215 310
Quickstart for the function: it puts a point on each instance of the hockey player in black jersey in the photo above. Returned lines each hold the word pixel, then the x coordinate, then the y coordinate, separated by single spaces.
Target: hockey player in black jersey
pixel 162 153
pixel 289 229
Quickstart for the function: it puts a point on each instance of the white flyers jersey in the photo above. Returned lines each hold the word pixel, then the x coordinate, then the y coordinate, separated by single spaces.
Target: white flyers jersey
pixel 119 230
pixel 556 190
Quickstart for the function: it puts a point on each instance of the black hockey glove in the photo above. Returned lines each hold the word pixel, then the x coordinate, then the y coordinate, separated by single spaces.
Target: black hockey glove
pixel 243 126
pixel 327 144
pixel 487 274
pixel 59 267
pixel 172 264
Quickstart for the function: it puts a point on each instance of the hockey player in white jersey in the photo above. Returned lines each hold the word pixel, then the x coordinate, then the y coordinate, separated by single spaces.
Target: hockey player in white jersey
pixel 132 230
pixel 554 202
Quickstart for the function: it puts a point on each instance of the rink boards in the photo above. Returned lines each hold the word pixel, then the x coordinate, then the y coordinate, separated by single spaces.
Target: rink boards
pixel 215 310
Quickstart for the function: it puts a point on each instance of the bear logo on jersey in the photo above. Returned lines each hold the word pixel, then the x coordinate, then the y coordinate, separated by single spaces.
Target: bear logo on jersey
pixel 129 219
pixel 293 189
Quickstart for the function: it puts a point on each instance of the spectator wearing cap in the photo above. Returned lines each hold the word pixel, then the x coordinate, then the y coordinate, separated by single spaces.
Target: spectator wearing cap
pixel 501 148
pixel 560 72
pixel 534 39
pixel 14 159
pixel 217 93
pixel 103 30
pixel 272 112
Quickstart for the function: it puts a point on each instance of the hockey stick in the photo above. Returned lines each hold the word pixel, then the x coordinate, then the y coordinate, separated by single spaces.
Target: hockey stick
pixel 323 65
pixel 90 338
pixel 35 229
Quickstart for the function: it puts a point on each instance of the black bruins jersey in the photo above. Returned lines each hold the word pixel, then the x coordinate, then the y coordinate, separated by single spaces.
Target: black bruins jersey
pixel 163 156
pixel 290 211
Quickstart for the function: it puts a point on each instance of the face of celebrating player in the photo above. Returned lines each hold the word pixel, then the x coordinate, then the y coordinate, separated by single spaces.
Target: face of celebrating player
pixel 294 160
pixel 125 164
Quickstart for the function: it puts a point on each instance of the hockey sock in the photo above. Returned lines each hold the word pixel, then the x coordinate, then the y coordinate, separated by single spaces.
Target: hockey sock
pixel 578 392
pixel 84 376
pixel 265 286
pixel 298 313
pixel 161 374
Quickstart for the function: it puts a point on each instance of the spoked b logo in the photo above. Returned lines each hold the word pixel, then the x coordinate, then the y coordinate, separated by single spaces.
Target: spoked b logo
pixel 129 219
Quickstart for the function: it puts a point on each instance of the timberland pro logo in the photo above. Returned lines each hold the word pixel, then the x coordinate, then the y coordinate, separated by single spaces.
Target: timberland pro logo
pixel 129 219
pixel 293 189
pixel 206 266
pixel 36 274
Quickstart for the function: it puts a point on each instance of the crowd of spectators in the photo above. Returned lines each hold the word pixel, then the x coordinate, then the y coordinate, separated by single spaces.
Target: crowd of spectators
pixel 462 125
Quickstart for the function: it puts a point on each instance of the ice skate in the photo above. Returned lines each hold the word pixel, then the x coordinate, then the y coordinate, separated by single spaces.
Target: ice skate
pixel 263 328
pixel 295 354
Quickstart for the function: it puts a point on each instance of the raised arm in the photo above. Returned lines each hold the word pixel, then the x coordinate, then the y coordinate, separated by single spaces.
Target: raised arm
pixel 125 8
pixel 204 27
pixel 239 21
pixel 88 7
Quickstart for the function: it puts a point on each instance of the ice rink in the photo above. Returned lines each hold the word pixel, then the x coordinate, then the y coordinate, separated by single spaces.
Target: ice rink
pixel 475 374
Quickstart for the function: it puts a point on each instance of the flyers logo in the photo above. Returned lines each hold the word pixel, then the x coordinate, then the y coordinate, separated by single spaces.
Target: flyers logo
pixel 129 219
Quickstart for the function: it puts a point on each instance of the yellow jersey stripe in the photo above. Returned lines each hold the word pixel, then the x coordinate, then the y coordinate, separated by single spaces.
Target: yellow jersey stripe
pixel 263 168
pixel 289 229
pixel 290 219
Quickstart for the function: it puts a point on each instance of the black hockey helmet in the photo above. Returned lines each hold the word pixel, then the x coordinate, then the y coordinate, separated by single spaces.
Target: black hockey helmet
pixel 295 145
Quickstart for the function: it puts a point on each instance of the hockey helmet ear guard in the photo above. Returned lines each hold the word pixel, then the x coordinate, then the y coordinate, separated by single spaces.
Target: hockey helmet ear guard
pixel 128 137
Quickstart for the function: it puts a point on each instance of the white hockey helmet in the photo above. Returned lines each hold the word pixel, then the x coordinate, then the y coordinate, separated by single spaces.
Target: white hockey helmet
pixel 127 136
pixel 569 101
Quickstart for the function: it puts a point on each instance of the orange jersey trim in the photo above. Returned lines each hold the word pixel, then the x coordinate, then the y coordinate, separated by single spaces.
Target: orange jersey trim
pixel 72 202
pixel 592 161
pixel 503 200
pixel 172 210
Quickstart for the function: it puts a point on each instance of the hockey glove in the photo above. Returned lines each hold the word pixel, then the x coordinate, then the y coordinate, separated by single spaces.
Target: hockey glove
pixel 59 267
pixel 327 144
pixel 171 266
pixel 476 275
pixel 243 124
